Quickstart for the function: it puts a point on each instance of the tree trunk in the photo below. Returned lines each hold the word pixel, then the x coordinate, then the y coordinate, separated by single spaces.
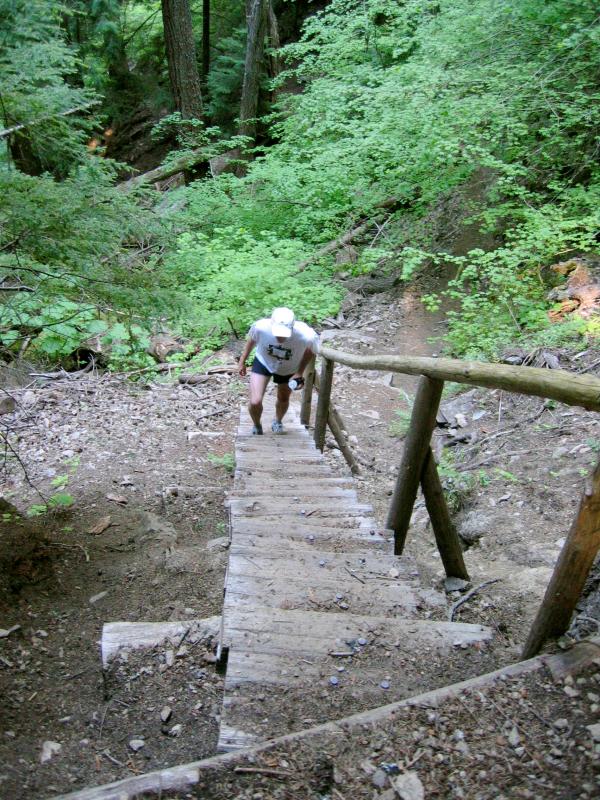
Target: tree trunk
pixel 181 56
pixel 205 40
pixel 256 21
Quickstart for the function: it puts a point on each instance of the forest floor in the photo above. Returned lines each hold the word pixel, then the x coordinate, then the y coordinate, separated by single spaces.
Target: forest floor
pixel 149 466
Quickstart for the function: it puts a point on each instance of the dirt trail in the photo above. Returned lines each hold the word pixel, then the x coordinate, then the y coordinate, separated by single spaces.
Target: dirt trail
pixel 153 465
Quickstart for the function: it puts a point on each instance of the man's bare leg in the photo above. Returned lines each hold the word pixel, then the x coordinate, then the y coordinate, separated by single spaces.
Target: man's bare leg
pixel 257 389
pixel 282 403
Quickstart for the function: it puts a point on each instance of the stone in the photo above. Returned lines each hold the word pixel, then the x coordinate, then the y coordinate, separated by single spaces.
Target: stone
pixel 455 585
pixel 473 527
pixel 96 597
pixel 136 744
pixel 408 786
pixel 594 731
pixel 379 778
pixel 49 749
pixel 165 714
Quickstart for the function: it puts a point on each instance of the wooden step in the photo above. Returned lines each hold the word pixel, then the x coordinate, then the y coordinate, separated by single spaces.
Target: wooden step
pixel 314 592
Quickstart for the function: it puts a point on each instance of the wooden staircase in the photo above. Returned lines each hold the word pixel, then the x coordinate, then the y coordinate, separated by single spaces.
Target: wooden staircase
pixel 320 619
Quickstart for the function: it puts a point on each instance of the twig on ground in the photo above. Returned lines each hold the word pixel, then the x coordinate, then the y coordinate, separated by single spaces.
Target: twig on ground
pixel 214 413
pixel 354 575
pixel 71 547
pixel 468 596
pixel 273 773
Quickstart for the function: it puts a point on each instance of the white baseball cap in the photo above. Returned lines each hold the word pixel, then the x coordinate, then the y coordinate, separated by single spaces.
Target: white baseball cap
pixel 282 322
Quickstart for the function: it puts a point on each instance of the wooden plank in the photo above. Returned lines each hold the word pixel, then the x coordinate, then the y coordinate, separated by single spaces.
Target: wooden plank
pixel 307 392
pixel 571 570
pixel 279 631
pixel 359 566
pixel 118 636
pixel 389 599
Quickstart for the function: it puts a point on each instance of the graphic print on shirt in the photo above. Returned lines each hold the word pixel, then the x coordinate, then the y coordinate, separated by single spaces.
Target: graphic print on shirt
pixel 279 352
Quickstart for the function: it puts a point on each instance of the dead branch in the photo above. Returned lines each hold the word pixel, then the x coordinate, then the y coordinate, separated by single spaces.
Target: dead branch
pixel 8 131
pixel 468 596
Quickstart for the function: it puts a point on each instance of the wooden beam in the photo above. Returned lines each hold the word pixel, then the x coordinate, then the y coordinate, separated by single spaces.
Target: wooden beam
pixel 325 384
pixel 445 532
pixel 307 392
pixel 557 384
pixel 571 570
pixel 337 427
pixel 416 446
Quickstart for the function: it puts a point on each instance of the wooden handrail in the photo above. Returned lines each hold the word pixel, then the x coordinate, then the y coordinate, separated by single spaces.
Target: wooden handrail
pixel 555 384
pixel 418 466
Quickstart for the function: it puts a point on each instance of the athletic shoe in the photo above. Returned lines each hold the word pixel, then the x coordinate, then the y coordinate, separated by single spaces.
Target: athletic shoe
pixel 276 426
pixel 257 430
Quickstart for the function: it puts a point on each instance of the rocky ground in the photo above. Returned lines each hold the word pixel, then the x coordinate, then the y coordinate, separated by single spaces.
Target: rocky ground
pixel 147 466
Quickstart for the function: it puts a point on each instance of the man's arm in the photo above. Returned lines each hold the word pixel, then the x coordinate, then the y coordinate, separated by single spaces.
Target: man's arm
pixel 306 357
pixel 250 343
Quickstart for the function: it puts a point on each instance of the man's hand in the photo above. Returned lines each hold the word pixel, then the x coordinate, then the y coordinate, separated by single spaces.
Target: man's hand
pixel 242 368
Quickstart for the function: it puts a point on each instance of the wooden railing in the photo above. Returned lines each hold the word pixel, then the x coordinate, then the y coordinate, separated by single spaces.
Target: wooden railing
pixel 418 465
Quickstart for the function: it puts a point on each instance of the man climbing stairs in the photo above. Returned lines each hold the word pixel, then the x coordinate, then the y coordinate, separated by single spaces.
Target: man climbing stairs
pixel 320 619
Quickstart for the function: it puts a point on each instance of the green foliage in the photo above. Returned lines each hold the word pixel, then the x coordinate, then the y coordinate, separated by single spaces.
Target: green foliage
pixel 227 461
pixel 457 485
pixel 400 426
pixel 36 71
pixel 234 277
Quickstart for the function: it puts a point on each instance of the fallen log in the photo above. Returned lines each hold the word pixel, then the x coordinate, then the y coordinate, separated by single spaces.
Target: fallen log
pixel 556 384
pixel 118 636
pixel 336 244
pixel 164 171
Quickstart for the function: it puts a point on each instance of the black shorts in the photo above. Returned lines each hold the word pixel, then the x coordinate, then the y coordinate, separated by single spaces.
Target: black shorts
pixel 260 369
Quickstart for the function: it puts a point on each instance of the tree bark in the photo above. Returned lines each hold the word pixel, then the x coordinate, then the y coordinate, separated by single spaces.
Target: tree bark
pixel 205 40
pixel 181 56
pixel 256 21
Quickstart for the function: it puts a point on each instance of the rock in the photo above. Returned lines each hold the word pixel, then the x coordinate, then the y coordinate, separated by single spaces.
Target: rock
pixel 136 744
pixel 169 658
pixel 455 585
pixel 379 778
pixel 561 724
pixel 514 738
pixel 49 749
pixel 594 731
pixel 7 404
pixel 221 543
pixel 408 786
pixel 96 597
pixel 461 420
pixel 473 527
pixel 165 714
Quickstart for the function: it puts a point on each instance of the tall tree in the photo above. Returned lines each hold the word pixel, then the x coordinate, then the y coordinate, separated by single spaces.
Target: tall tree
pixel 205 39
pixel 257 13
pixel 181 56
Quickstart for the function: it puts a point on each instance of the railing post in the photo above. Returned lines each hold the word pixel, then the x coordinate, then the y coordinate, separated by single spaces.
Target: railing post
pixel 446 536
pixel 416 445
pixel 571 570
pixel 307 392
pixel 325 384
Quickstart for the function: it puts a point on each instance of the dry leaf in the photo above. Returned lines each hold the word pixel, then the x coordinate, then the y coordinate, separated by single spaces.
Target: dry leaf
pixel 102 524
pixel 117 498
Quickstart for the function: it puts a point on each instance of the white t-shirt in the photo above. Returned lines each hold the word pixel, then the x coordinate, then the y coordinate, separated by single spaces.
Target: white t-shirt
pixel 282 358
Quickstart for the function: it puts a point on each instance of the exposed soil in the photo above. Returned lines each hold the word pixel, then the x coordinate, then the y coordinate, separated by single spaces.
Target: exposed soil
pixel 143 541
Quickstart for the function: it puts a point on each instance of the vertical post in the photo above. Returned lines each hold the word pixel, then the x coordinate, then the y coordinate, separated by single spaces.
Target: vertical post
pixel 325 384
pixel 446 536
pixel 570 572
pixel 416 445
pixel 309 382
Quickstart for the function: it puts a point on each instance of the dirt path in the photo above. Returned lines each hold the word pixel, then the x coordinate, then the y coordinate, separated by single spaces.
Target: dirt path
pixel 153 464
